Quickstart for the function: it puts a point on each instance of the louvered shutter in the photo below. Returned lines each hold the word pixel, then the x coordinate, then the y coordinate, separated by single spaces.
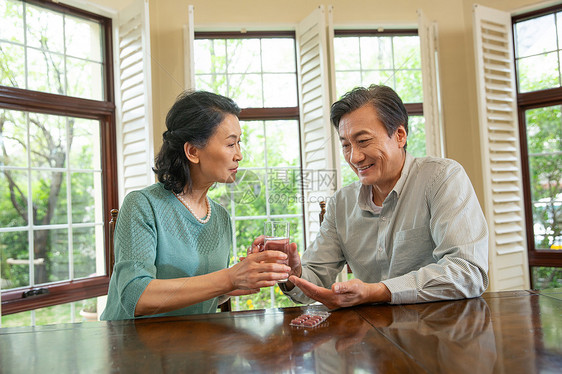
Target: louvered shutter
pixel 427 32
pixel 499 139
pixel 316 134
pixel 135 136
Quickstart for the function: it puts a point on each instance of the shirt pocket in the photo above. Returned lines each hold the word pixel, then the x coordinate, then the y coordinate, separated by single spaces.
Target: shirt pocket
pixel 417 234
pixel 412 249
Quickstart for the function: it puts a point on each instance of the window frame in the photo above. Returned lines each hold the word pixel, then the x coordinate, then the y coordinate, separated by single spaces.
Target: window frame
pixel 266 113
pixel 61 292
pixel 525 101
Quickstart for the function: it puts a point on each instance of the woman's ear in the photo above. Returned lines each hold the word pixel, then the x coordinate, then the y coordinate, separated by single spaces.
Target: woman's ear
pixel 191 152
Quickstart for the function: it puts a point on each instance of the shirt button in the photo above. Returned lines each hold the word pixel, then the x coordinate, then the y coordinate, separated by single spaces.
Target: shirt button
pixel 383 218
pixel 380 249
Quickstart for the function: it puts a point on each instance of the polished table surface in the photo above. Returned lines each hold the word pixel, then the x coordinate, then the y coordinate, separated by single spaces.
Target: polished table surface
pixel 506 332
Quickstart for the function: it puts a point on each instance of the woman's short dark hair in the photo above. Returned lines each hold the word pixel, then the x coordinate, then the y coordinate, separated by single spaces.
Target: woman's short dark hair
pixel 387 103
pixel 193 119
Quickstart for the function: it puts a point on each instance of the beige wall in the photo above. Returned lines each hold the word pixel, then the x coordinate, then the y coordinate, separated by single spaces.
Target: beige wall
pixel 454 19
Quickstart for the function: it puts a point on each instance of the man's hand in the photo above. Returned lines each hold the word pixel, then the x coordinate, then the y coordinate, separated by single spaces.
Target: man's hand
pixel 344 294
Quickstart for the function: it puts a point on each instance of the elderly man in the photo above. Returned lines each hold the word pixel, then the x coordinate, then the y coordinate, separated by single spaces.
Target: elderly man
pixel 411 229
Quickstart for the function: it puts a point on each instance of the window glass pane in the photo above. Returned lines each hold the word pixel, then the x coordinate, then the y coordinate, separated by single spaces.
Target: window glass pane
pixel 84 188
pixel 44 29
pixel 252 143
pixel 15 259
pixel 47 135
pixel 49 197
pixel 345 81
pixel 347 56
pixel 416 136
pixel 52 247
pixel 246 90
pixel 243 56
pixel 84 252
pixel 409 85
pixel 280 90
pixel 80 71
pixel 13 138
pixel 406 52
pixel 538 72
pixel 85 149
pixel 12 63
pixel 282 149
pixel 278 55
pixel 11 12
pixel 13 198
pixel 83 39
pixel 535 36
pixel 544 139
pixel 376 53
pixel 210 56
pixel 45 72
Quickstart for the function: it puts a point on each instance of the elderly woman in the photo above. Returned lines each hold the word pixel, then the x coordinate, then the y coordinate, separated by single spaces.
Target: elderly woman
pixel 172 242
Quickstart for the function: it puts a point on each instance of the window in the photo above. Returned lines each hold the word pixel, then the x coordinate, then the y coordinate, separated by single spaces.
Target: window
pixel 57 154
pixel 258 71
pixel 391 58
pixel 538 48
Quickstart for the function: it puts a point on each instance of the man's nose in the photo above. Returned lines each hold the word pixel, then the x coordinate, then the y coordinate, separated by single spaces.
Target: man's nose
pixel 355 155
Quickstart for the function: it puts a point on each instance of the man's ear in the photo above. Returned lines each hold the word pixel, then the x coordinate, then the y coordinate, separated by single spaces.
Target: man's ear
pixel 191 152
pixel 401 136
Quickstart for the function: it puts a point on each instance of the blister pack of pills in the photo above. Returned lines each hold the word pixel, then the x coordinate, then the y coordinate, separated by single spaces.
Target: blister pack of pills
pixel 310 319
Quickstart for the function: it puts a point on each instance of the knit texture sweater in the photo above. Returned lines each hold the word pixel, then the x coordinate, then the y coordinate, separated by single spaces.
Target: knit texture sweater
pixel 156 237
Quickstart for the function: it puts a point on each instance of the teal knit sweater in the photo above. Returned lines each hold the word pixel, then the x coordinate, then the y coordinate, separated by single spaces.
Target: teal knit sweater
pixel 156 237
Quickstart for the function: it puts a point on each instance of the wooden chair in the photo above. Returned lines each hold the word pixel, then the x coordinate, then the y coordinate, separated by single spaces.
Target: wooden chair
pixel 224 307
pixel 321 217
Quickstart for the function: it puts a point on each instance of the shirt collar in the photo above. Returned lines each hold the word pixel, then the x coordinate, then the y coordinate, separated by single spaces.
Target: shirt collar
pixel 364 190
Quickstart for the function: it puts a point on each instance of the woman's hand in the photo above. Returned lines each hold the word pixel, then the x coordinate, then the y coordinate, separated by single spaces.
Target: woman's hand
pixel 257 270
pixel 293 255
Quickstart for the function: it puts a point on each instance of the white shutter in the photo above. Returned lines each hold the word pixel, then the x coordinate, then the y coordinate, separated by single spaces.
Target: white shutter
pixel 316 133
pixel 135 136
pixel 499 138
pixel 431 94
pixel 188 52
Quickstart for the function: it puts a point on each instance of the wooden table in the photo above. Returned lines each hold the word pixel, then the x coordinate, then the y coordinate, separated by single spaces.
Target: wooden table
pixel 508 332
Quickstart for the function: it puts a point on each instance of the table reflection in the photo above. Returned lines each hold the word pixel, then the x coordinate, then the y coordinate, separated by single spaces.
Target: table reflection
pixel 440 336
pixel 260 342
